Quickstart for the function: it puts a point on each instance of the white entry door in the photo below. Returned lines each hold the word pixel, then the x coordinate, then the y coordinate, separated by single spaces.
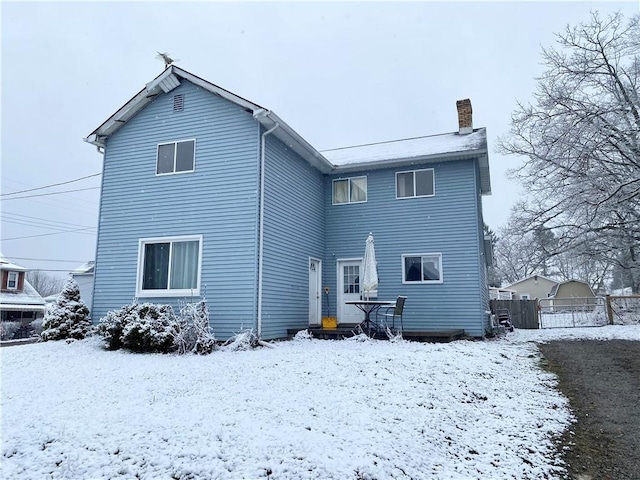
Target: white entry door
pixel 315 297
pixel 349 290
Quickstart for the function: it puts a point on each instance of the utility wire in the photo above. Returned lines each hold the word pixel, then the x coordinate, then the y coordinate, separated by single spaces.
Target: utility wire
pixel 52 185
pixel 47 234
pixel 52 193
pixel 46 227
pixel 20 217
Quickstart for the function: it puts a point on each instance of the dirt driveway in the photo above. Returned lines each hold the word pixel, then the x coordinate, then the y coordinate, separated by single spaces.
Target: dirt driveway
pixel 601 379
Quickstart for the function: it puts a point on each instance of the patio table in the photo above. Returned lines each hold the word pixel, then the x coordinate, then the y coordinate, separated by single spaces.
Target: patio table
pixel 369 307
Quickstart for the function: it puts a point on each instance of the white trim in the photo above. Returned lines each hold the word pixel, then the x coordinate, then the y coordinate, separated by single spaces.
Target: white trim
pixel 184 292
pixel 175 156
pixel 340 283
pixel 439 255
pixel 17 278
pixel 433 181
pixel 319 277
pixel 349 202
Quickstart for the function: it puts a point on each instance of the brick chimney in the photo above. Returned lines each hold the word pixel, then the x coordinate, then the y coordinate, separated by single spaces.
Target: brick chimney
pixel 465 119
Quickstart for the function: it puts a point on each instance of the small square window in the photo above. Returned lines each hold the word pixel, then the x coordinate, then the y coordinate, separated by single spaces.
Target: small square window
pixel 12 281
pixel 176 157
pixel 350 190
pixel 422 268
pixel 416 183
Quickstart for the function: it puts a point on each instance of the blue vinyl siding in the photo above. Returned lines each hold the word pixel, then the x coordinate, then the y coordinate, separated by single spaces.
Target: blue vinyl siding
pixel 218 200
pixel 446 223
pixel 293 232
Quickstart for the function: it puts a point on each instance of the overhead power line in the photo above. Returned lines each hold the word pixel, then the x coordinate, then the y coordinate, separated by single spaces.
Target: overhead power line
pixel 17 216
pixel 80 230
pixel 52 193
pixel 51 185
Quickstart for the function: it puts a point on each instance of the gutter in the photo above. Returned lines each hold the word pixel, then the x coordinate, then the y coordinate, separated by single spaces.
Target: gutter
pixel 258 115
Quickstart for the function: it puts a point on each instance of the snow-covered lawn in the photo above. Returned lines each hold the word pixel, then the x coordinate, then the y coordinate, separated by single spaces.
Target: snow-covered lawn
pixel 305 409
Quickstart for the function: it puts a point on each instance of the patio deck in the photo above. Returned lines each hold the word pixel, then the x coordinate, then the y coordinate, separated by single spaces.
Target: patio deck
pixel 346 331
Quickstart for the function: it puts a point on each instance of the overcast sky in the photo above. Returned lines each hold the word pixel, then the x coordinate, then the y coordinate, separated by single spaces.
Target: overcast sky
pixel 340 74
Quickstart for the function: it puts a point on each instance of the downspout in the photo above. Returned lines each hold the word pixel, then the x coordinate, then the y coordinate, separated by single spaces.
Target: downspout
pixel 262 113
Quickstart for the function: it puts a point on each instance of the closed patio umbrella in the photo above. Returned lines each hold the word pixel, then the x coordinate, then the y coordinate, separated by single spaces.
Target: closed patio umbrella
pixel 370 274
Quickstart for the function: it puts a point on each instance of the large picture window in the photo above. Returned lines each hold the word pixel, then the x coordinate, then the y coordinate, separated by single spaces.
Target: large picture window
pixel 169 266
pixel 176 157
pixel 350 190
pixel 416 183
pixel 422 268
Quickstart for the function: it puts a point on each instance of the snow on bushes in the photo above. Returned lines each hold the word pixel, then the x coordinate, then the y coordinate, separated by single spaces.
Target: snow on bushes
pixel 68 317
pixel 149 327
pixel 244 340
pixel 8 330
pixel 194 333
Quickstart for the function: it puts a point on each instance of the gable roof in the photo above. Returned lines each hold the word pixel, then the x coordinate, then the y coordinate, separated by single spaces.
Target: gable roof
pixel 170 78
pixel 450 146
pixel 530 277
pixel 447 146
pixel 85 269
pixel 7 265
pixel 28 299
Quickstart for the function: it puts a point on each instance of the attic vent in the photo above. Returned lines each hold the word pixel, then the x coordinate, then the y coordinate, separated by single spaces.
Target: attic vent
pixel 178 103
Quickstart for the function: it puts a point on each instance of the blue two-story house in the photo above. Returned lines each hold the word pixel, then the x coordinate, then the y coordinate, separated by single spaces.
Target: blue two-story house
pixel 205 193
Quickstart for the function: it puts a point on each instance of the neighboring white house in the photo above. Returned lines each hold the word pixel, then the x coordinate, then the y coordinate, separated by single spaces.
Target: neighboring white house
pixel 83 275
pixel 530 288
pixel 19 301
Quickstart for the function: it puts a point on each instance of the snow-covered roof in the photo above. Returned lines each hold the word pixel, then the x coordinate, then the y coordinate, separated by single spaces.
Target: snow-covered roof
pixel 26 300
pixel 7 265
pixel 85 269
pixel 443 147
pixel 447 146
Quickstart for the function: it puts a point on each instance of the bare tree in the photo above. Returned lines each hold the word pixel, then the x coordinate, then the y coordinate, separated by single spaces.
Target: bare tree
pixel 45 283
pixel 521 251
pixel 580 141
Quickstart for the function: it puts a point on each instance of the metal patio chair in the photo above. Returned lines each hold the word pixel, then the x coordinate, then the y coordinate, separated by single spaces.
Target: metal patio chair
pixel 391 313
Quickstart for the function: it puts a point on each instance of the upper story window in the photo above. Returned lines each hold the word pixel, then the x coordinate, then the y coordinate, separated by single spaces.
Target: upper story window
pixel 415 183
pixel 422 268
pixel 169 266
pixel 350 190
pixel 12 281
pixel 176 157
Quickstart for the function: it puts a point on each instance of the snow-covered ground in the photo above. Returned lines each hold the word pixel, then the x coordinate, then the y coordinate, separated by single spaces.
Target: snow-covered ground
pixel 306 409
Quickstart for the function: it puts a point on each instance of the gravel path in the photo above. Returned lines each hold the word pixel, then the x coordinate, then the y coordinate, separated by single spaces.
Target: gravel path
pixel 602 381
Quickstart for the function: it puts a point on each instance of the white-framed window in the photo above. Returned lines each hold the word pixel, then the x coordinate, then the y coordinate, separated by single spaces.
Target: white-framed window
pixel 415 183
pixel 169 266
pixel 525 296
pixel 422 268
pixel 176 157
pixel 350 190
pixel 12 281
